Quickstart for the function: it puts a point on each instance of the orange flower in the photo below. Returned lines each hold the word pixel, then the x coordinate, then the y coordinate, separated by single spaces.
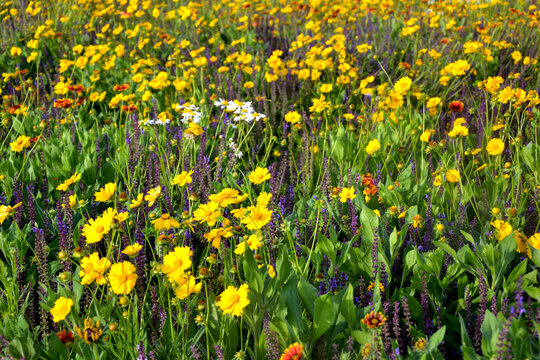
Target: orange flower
pixel 293 352
pixel 374 320
pixel 121 87
pixel 63 103
pixel 456 106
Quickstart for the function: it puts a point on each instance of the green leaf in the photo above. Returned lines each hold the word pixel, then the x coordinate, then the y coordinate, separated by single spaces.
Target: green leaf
pixel 444 246
pixel 533 292
pixel 436 339
pixel 369 221
pixel 325 245
pixel 291 299
pixel 324 317
pixel 348 310
pixel 490 329
pixel 308 294
pixel 22 348
pixel 362 337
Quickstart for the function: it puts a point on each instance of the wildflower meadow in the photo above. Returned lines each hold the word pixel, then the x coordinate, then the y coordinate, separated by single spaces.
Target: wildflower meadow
pixel 269 179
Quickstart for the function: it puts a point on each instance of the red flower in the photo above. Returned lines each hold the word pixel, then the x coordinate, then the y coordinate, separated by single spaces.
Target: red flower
pixel 78 88
pixel 129 108
pixel 456 106
pixel 374 320
pixel 293 352
pixel 63 103
pixel 65 336
pixel 13 109
pixel 121 87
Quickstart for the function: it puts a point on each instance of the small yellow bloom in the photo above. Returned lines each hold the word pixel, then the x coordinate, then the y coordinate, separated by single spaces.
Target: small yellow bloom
pixel 20 144
pixel 153 195
pixel 233 300
pixel 259 175
pixel 453 176
pixel 6 211
pixel 503 229
pixel 347 194
pixel 137 202
pixel 15 51
pixel 373 146
pixel 132 250
pixel 61 309
pixel 183 178
pixel 73 179
pixel 106 192
pixel 293 117
pixel 165 221
pixel 495 147
pixel 207 213
pixel 122 278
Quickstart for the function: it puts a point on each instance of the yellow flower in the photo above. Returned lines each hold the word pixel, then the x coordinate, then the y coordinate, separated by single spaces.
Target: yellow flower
pixel 394 100
pixel 521 244
pixel 122 277
pixel 137 202
pixel 183 178
pixel 271 270
pixel 495 146
pixel 426 135
pixel 225 197
pixel 81 62
pixel 5 211
pixel 325 88
pixel 233 300
pixel 165 221
pixel 73 179
pixel 452 176
pixel 258 217
pixel 96 229
pixel 93 268
pixel 259 175
pixel 459 129
pixel 215 236
pixel 417 221
pixel 293 117
pixel 347 194
pixel 187 286
pixel 153 195
pixel 503 229
pixel 194 129
pixel 132 250
pixel 493 84
pixel 319 104
pixel 15 51
pixel 420 344
pixel 264 199
pixel 534 241
pixel 505 95
pixel 89 333
pixel 254 242
pixel 176 262
pixel 433 102
pixel 105 193
pixel 207 213
pixel 72 200
pixel 20 144
pixel 403 85
pixel 61 309
pixel 373 146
